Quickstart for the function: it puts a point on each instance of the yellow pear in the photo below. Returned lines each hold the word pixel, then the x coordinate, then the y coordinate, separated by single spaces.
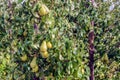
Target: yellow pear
pixel 35 69
pixel 49 45
pixel 43 10
pixel 43 46
pixel 33 62
pixel 44 54
pixel 24 57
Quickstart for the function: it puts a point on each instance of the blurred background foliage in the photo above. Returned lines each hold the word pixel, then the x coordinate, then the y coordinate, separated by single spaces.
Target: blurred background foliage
pixel 66 27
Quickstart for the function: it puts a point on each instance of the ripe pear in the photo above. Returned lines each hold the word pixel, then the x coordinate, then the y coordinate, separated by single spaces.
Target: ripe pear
pixel 49 45
pixel 44 54
pixel 33 62
pixel 24 57
pixel 43 46
pixel 43 10
pixel 35 69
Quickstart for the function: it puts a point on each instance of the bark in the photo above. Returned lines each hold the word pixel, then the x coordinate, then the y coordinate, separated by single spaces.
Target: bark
pixel 91 37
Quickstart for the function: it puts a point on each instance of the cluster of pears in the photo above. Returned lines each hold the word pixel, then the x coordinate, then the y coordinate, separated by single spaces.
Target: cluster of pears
pixel 34 65
pixel 43 49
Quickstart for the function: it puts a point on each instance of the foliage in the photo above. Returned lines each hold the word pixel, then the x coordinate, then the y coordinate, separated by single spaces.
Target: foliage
pixel 66 26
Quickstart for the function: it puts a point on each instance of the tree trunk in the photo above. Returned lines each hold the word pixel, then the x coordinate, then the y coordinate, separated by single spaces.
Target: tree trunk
pixel 91 52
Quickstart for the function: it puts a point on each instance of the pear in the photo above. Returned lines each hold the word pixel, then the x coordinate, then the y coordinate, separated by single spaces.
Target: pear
pixel 24 57
pixel 35 69
pixel 43 46
pixel 44 54
pixel 49 45
pixel 25 33
pixel 105 58
pixel 33 62
pixel 43 10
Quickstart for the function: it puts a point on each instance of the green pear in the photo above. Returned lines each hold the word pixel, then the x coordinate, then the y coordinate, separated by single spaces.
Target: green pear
pixel 33 62
pixel 105 58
